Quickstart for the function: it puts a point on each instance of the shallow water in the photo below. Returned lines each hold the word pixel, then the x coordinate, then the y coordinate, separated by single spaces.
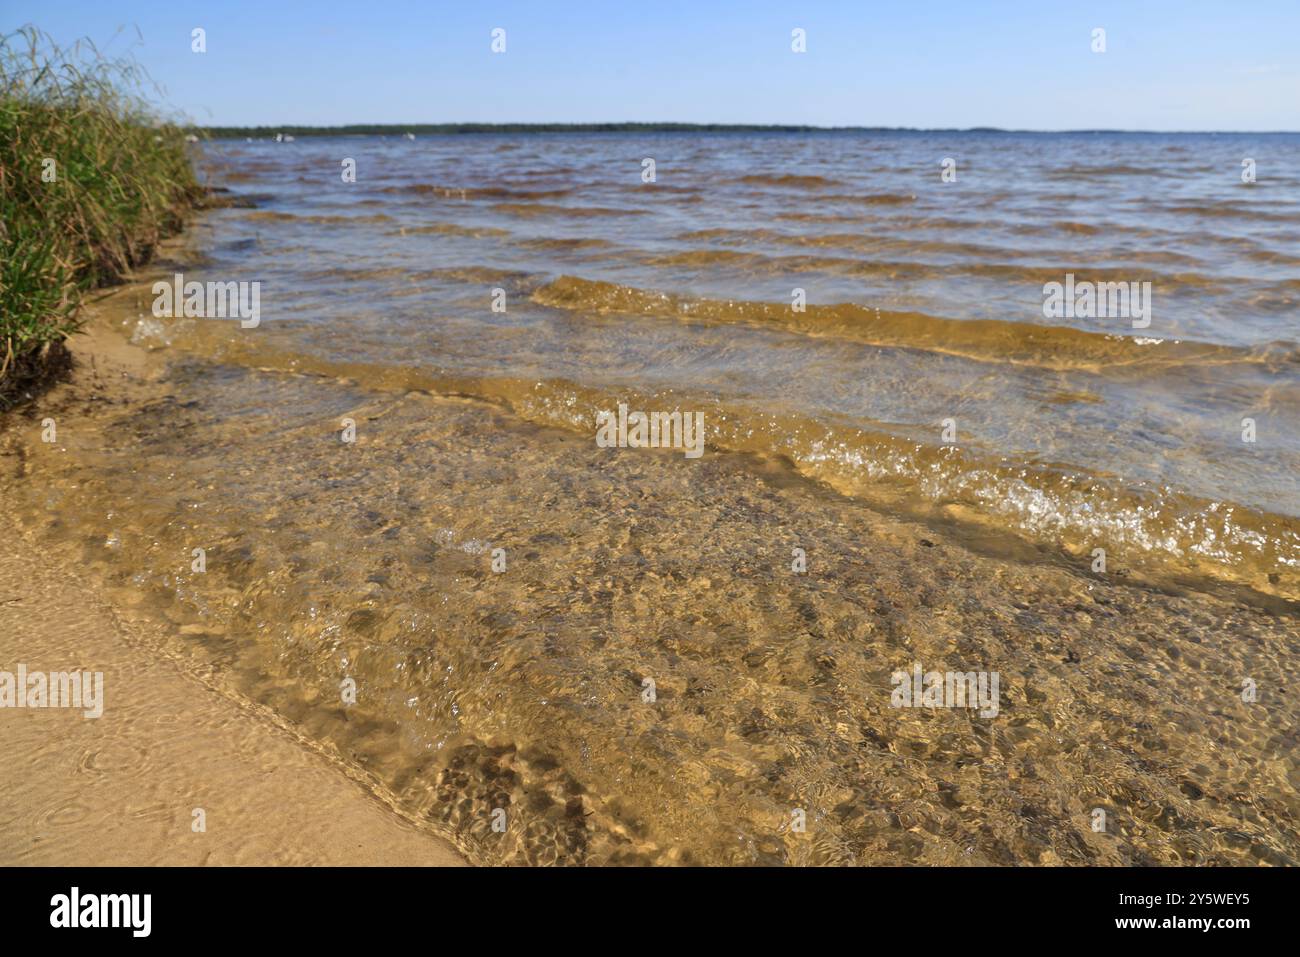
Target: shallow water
pixel 924 305
pixel 523 688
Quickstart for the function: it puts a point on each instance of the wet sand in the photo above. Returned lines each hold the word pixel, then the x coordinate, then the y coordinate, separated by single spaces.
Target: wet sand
pixel 121 789
pixel 523 691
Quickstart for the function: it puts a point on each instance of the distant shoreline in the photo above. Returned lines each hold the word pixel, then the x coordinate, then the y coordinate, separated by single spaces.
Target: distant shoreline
pixel 397 129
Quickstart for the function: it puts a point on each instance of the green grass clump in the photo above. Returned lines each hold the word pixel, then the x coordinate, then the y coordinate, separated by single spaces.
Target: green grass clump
pixel 122 180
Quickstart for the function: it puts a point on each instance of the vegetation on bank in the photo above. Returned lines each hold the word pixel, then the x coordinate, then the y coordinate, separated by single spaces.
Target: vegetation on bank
pixel 91 179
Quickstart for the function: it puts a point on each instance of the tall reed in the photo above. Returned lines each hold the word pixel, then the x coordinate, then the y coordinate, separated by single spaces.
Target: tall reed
pixel 91 178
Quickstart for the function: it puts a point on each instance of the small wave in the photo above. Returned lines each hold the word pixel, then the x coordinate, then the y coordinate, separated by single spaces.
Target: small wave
pixel 990 340
pixel 1096 172
pixel 875 199
pixel 271 216
pixel 702 257
pixel 392 274
pixel 576 212
pixel 451 229
pixel 1078 229
pixel 1010 272
pixel 877 243
pixel 1230 211
pixel 818 217
pixel 555 242
pixel 788 181
pixel 476 192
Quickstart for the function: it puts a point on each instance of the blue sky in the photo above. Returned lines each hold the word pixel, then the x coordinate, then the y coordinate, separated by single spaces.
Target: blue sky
pixel 1168 65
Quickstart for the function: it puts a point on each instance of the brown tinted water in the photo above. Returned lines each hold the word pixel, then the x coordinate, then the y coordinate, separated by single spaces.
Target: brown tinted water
pixel 524 689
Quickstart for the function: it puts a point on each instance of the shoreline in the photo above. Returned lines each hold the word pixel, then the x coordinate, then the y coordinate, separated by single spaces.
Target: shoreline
pixel 122 789
pixel 170 447
pixel 523 690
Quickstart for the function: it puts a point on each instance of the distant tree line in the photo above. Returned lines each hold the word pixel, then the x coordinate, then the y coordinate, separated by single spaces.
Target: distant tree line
pixel 392 129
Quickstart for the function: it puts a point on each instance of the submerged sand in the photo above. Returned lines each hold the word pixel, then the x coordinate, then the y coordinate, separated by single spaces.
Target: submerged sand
pixel 523 691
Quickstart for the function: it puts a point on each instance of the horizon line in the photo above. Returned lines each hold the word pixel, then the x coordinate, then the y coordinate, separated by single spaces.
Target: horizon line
pixel 219 131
